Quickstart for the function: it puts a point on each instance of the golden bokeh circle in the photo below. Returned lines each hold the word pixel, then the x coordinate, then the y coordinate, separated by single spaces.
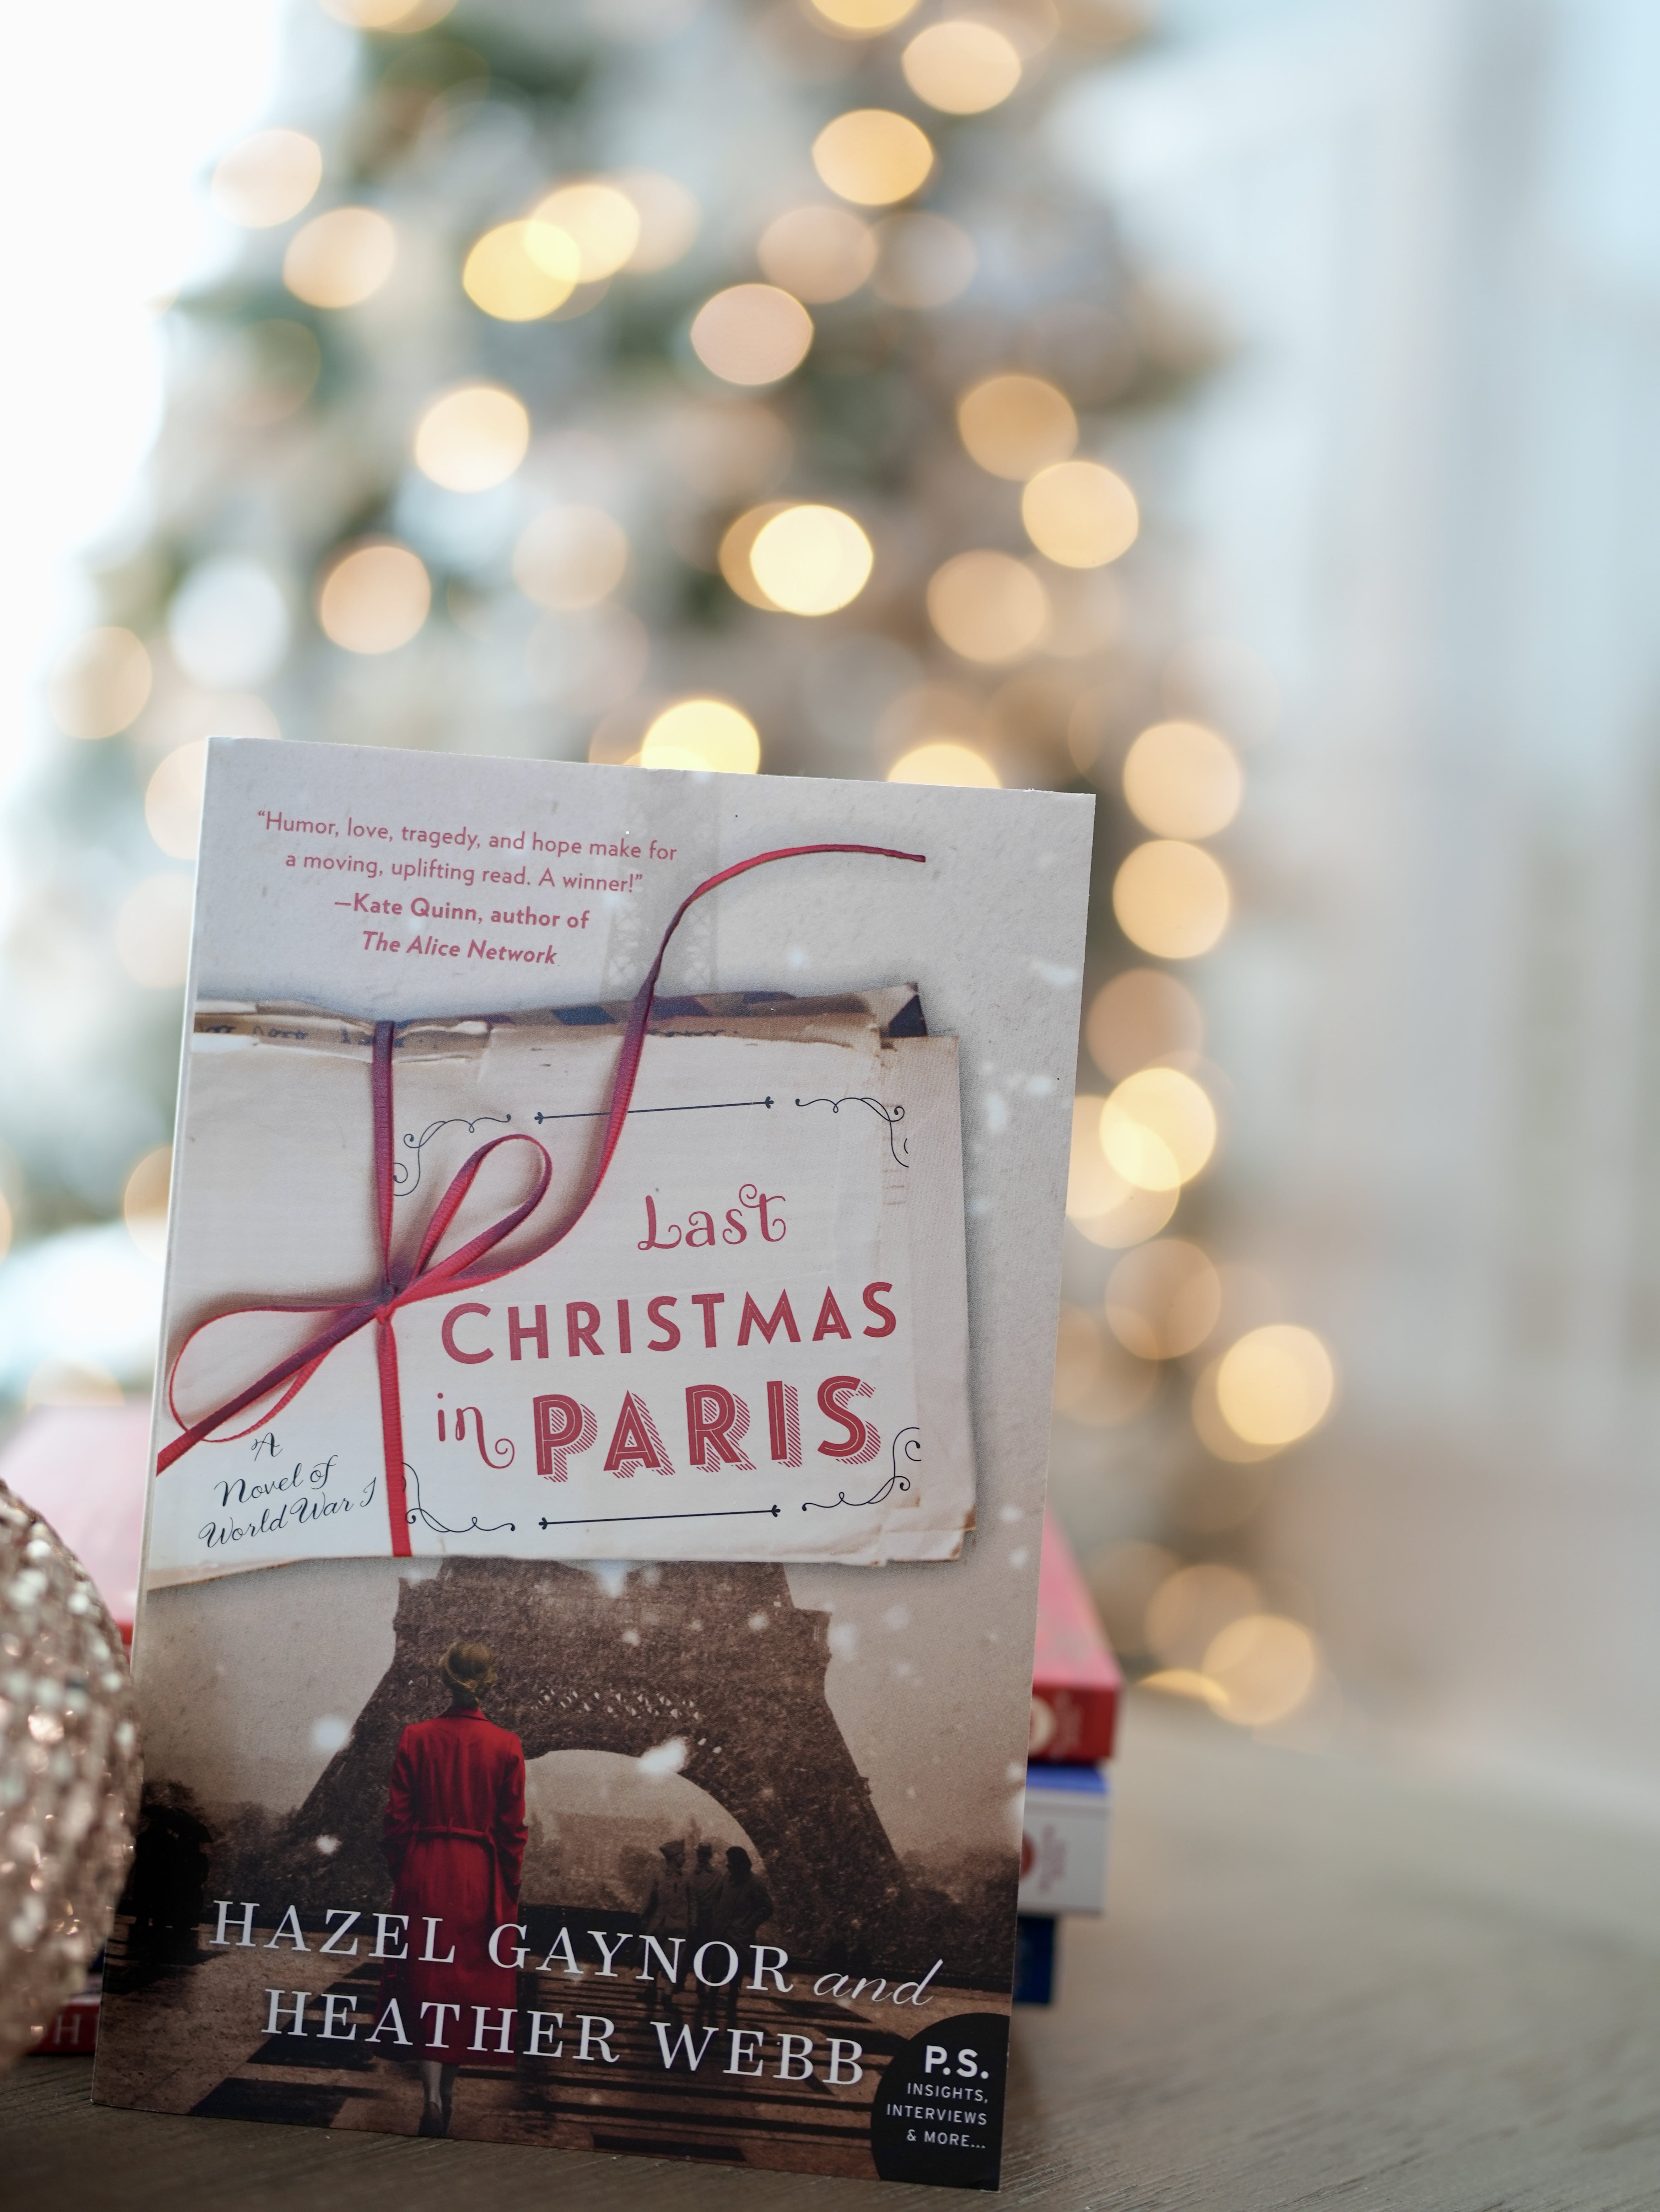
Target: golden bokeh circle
pixel 472 437
pixel 960 67
pixel 374 597
pixel 1015 424
pixel 1182 780
pixel 703 734
pixel 811 560
pixel 1080 513
pixel 520 271
pixel 873 157
pixel 341 258
pixel 988 607
pixel 1276 1385
pixel 752 334
pixel 1171 899
pixel 943 760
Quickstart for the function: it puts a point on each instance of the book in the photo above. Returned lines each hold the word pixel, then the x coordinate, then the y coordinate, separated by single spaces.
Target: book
pixel 1036 1958
pixel 586 1633
pixel 1063 1840
pixel 1076 1681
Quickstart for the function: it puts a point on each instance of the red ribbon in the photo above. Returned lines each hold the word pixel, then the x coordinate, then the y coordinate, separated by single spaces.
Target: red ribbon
pixel 430 1277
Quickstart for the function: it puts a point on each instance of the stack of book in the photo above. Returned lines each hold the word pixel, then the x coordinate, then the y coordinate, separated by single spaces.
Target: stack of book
pixel 1076 1685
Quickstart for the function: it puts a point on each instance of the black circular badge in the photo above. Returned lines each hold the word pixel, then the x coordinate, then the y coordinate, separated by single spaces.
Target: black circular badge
pixel 938 2113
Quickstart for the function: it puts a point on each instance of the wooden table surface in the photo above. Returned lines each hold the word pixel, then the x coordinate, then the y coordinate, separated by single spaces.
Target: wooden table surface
pixel 1319 1985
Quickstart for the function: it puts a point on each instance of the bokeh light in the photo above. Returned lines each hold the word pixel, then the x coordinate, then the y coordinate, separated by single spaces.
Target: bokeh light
pixel 1104 1206
pixel 811 560
pixel 520 271
pixel 404 17
pixel 173 798
pixel 1263 1667
pixel 1140 1016
pixel 669 218
pixel 472 437
pixel 570 557
pixel 736 544
pixel 99 683
pixel 602 220
pixel 703 734
pixel 864 17
pixel 153 932
pixel 1079 513
pixel 1187 1613
pixel 1158 1128
pixel 873 157
pixel 1163 1299
pixel 1172 900
pixel 375 599
pixel 1276 1385
pixel 922 260
pixel 1213 1432
pixel 752 334
pixel 144 1202
pixel 943 761
pixel 962 67
pixel 1015 425
pixel 227 624
pixel 988 606
pixel 1181 779
pixel 1096 1382
pixel 267 179
pixel 1123 1578
pixel 819 253
pixel 341 258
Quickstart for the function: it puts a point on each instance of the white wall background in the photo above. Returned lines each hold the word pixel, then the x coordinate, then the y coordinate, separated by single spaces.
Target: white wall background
pixel 1427 491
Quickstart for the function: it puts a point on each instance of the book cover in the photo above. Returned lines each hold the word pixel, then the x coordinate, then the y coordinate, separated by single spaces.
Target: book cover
pixel 585 1636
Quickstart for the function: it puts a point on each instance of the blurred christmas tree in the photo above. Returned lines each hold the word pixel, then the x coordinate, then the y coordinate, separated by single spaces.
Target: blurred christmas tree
pixel 679 380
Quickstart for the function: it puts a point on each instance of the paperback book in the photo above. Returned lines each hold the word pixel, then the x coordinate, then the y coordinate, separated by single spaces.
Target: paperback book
pixel 586 1631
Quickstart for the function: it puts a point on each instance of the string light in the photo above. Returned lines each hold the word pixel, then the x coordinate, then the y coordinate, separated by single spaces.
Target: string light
pixel 570 557
pixel 961 68
pixel 472 437
pixel 1015 425
pixel 988 607
pixel 703 734
pixel 873 157
pixel 520 271
pixel 1171 899
pixel 944 761
pixel 602 222
pixel 752 334
pixel 341 258
pixel 811 560
pixel 99 685
pixel 375 599
pixel 818 253
pixel 267 179
pixel 1181 779
pixel 1079 513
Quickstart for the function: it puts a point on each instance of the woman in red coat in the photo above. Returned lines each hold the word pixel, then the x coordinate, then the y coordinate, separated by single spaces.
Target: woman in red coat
pixel 455 1841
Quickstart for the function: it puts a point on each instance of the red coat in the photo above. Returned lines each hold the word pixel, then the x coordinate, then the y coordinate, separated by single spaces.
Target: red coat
pixel 455 1842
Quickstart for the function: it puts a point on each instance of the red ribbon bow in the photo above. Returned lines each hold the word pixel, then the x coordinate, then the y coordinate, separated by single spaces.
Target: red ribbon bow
pixel 430 1277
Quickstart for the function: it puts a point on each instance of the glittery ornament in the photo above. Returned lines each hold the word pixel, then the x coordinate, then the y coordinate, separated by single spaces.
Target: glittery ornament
pixel 69 1773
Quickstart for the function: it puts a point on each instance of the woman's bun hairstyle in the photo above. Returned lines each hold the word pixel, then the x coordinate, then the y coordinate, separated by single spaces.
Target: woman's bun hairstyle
pixel 470 1667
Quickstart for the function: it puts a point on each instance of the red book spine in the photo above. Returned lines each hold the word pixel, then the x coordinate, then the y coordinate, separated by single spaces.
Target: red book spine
pixel 1075 1682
